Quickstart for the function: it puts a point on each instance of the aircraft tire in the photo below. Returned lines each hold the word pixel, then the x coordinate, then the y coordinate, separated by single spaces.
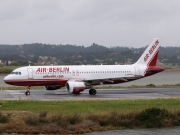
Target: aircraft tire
pixel 27 93
pixel 92 92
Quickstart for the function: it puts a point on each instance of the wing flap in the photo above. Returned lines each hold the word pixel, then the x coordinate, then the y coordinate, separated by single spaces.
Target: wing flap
pixel 110 80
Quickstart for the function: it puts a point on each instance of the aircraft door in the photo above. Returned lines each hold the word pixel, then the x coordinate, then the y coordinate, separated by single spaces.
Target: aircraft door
pixel 30 73
pixel 137 72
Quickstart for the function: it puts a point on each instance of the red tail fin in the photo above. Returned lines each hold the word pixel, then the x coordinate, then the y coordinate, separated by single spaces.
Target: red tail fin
pixel 149 57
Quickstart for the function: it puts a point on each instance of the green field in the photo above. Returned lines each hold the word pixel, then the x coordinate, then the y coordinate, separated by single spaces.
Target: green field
pixel 92 106
pixel 87 116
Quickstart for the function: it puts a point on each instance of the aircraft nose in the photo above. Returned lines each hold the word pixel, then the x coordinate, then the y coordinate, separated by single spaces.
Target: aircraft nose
pixel 6 78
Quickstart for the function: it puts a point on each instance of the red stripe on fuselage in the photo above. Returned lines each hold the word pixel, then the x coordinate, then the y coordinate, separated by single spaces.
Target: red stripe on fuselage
pixel 36 82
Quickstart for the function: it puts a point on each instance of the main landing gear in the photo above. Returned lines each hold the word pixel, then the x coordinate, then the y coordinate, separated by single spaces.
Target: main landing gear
pixel 27 93
pixel 92 92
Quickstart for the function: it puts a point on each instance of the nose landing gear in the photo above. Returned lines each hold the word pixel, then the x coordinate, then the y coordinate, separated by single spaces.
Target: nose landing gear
pixel 27 93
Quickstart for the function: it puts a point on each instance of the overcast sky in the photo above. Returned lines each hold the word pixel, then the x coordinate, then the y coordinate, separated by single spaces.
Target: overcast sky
pixel 132 23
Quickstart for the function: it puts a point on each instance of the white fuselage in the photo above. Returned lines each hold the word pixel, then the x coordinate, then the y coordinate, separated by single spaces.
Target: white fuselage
pixel 35 75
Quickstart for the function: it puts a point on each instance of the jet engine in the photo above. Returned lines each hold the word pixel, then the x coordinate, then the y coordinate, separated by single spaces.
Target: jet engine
pixel 75 87
pixel 52 87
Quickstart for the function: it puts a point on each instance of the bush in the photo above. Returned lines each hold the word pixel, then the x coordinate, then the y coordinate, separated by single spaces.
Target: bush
pixel 31 120
pixel 74 119
pixel 4 118
pixel 152 117
pixel 151 85
pixel 42 117
pixel 101 119
pixel 114 119
pixel 59 120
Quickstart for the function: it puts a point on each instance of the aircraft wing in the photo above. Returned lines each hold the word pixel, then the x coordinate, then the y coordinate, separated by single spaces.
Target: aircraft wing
pixel 110 80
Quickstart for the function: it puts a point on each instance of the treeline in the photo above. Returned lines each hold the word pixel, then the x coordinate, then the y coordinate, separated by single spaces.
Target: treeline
pixel 73 54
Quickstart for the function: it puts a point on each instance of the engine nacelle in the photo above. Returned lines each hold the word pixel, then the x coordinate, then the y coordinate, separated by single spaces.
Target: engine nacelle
pixel 52 87
pixel 75 87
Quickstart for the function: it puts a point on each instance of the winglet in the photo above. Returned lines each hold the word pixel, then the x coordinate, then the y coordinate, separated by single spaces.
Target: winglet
pixel 150 55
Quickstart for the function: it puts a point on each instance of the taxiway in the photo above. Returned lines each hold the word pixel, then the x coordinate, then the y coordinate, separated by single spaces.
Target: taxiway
pixel 102 94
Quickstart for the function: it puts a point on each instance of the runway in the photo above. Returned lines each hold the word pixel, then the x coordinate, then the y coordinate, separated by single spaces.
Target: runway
pixel 102 94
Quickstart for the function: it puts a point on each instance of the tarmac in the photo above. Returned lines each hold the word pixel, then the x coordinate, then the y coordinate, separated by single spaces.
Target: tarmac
pixel 102 94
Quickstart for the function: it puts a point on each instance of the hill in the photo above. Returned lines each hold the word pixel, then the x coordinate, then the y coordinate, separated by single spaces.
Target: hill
pixel 46 54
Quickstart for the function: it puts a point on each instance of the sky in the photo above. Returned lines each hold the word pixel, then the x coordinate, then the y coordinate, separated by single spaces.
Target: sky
pixel 131 23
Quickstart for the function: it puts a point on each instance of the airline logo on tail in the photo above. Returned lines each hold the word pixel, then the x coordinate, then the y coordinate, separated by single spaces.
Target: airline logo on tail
pixel 151 50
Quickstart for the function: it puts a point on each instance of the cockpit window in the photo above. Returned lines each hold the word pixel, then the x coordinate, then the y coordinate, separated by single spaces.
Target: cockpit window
pixel 16 73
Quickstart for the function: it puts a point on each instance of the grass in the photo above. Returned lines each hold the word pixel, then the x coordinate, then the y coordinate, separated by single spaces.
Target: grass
pixel 139 86
pixel 70 117
pixel 22 88
pixel 86 107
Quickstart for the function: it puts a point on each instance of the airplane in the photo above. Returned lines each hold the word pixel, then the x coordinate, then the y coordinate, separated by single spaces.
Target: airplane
pixel 77 78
